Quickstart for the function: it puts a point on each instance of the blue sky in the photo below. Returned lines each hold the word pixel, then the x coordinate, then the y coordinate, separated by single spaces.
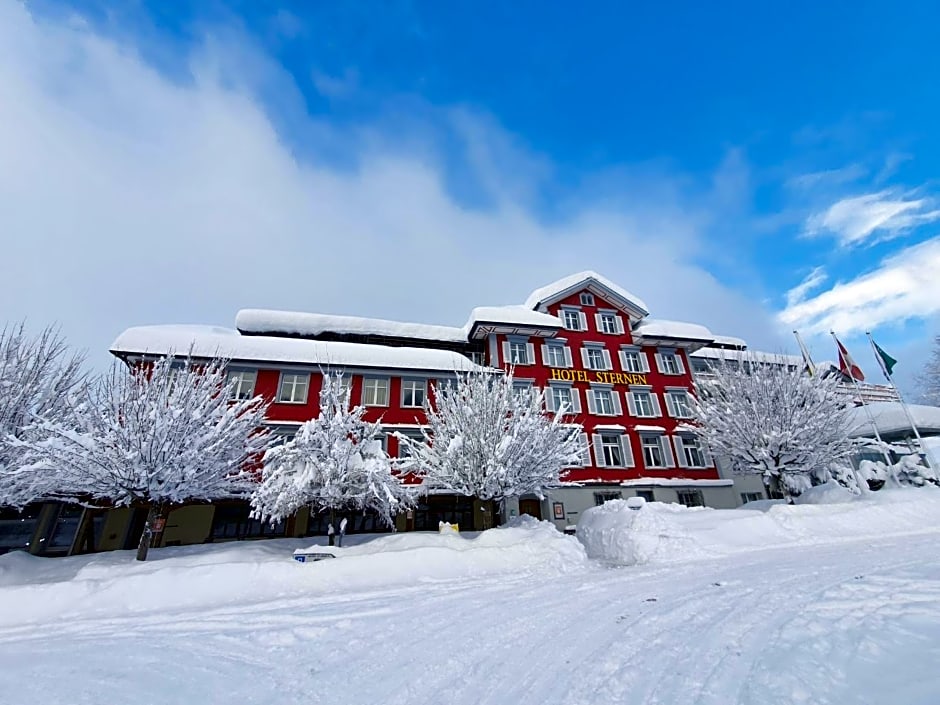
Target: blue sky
pixel 753 168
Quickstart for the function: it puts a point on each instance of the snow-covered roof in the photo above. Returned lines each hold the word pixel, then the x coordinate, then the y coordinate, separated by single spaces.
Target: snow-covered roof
pixel 211 341
pixel 679 330
pixel 762 357
pixel 610 427
pixel 729 341
pixel 890 419
pixel 644 427
pixel 573 282
pixel 675 482
pixel 262 321
pixel 518 316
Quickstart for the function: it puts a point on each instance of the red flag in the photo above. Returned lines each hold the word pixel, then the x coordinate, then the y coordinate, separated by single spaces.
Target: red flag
pixel 847 365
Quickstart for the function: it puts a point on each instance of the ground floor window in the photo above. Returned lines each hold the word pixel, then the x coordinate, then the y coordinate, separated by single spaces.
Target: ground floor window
pixel 601 497
pixel 647 495
pixel 452 509
pixel 231 520
pixel 751 496
pixel 17 528
pixel 690 498
pixel 357 522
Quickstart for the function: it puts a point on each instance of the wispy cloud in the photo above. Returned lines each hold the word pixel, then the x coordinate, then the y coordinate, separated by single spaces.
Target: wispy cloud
pixel 903 287
pixel 872 217
pixel 339 86
pixel 812 281
pixel 828 177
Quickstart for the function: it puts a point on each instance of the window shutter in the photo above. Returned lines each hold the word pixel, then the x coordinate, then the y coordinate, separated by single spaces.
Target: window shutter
pixel 530 353
pixel 618 409
pixel 667 451
pixel 680 453
pixel 568 361
pixel 657 409
pixel 659 363
pixel 545 356
pixel 583 318
pixel 599 452
pixel 680 363
pixel 585 450
pixel 627 448
pixel 575 400
pixel 584 359
pixel 622 354
pixel 671 406
pixel 550 400
pixel 592 404
pixel 631 404
pixel 607 363
pixel 619 324
pixel 506 359
pixel 599 322
pixel 644 362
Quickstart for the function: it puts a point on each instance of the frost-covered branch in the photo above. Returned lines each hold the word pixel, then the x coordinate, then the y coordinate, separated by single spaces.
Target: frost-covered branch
pixel 928 381
pixel 487 440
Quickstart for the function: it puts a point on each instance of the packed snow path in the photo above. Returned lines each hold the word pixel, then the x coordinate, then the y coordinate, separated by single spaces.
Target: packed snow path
pixel 857 622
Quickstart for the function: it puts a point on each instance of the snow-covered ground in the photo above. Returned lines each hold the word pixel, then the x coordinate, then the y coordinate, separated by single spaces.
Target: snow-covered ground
pixel 517 615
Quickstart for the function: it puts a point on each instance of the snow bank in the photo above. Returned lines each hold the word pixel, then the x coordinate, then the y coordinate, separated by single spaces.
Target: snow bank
pixel 662 533
pixel 39 589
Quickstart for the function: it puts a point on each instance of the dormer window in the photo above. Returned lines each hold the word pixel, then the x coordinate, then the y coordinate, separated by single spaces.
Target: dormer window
pixel 587 299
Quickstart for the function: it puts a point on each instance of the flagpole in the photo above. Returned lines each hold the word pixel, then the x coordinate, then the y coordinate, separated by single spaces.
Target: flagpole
pixel 810 367
pixel 871 419
pixel 928 455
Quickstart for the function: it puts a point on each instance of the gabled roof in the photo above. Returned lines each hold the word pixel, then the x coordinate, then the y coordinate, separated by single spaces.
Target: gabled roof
pixel 211 341
pixel 594 282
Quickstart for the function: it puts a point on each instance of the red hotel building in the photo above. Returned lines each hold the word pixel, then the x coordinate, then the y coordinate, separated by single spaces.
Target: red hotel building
pixel 583 339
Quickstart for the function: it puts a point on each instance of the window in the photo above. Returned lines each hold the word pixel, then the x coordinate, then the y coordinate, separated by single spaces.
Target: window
pixel 647 495
pixel 554 356
pixel 573 319
pixel 587 299
pixel 633 361
pixel 751 497
pixel 603 402
pixel 521 388
pixel 670 363
pixel 690 450
pixel 643 404
pixel 678 404
pixel 518 353
pixel 601 497
pixel 594 359
pixel 293 389
pixel 608 323
pixel 561 396
pixel 653 454
pixel 242 384
pixel 282 437
pixel 404 449
pixel 375 391
pixel 612 451
pixel 413 393
pixel 690 498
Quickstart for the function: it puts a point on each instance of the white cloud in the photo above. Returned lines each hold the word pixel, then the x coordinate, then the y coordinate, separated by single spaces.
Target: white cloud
pixel 875 216
pixel 129 198
pixel 812 281
pixel 828 177
pixel 905 286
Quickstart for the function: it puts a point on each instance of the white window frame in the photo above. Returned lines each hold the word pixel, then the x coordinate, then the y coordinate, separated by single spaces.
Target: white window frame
pixel 594 405
pixel 643 363
pixel 240 388
pixel 679 410
pixel 683 456
pixel 675 368
pixel 633 403
pixel 623 442
pixel 374 385
pixel 550 353
pixel 412 385
pixel 586 298
pixel 518 344
pixel 595 358
pixel 581 317
pixel 296 380
pixel 608 323
pixel 650 440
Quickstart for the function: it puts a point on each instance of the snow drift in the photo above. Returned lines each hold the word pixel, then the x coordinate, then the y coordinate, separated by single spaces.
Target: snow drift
pixel 249 572
pixel 660 533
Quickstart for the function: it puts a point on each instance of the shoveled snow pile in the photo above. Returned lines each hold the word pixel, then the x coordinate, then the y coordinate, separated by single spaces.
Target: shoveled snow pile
pixel 662 533
pixel 196 576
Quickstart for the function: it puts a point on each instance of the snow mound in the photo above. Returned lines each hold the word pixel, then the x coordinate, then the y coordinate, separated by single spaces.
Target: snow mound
pixel 193 577
pixel 664 533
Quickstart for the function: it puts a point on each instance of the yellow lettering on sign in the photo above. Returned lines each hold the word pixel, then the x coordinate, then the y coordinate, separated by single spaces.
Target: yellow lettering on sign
pixel 565 375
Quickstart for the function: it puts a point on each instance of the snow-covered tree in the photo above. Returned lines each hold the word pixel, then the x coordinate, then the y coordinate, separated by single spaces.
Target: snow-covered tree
pixel 486 439
pixel 928 381
pixel 38 377
pixel 157 435
pixel 335 462
pixel 772 420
